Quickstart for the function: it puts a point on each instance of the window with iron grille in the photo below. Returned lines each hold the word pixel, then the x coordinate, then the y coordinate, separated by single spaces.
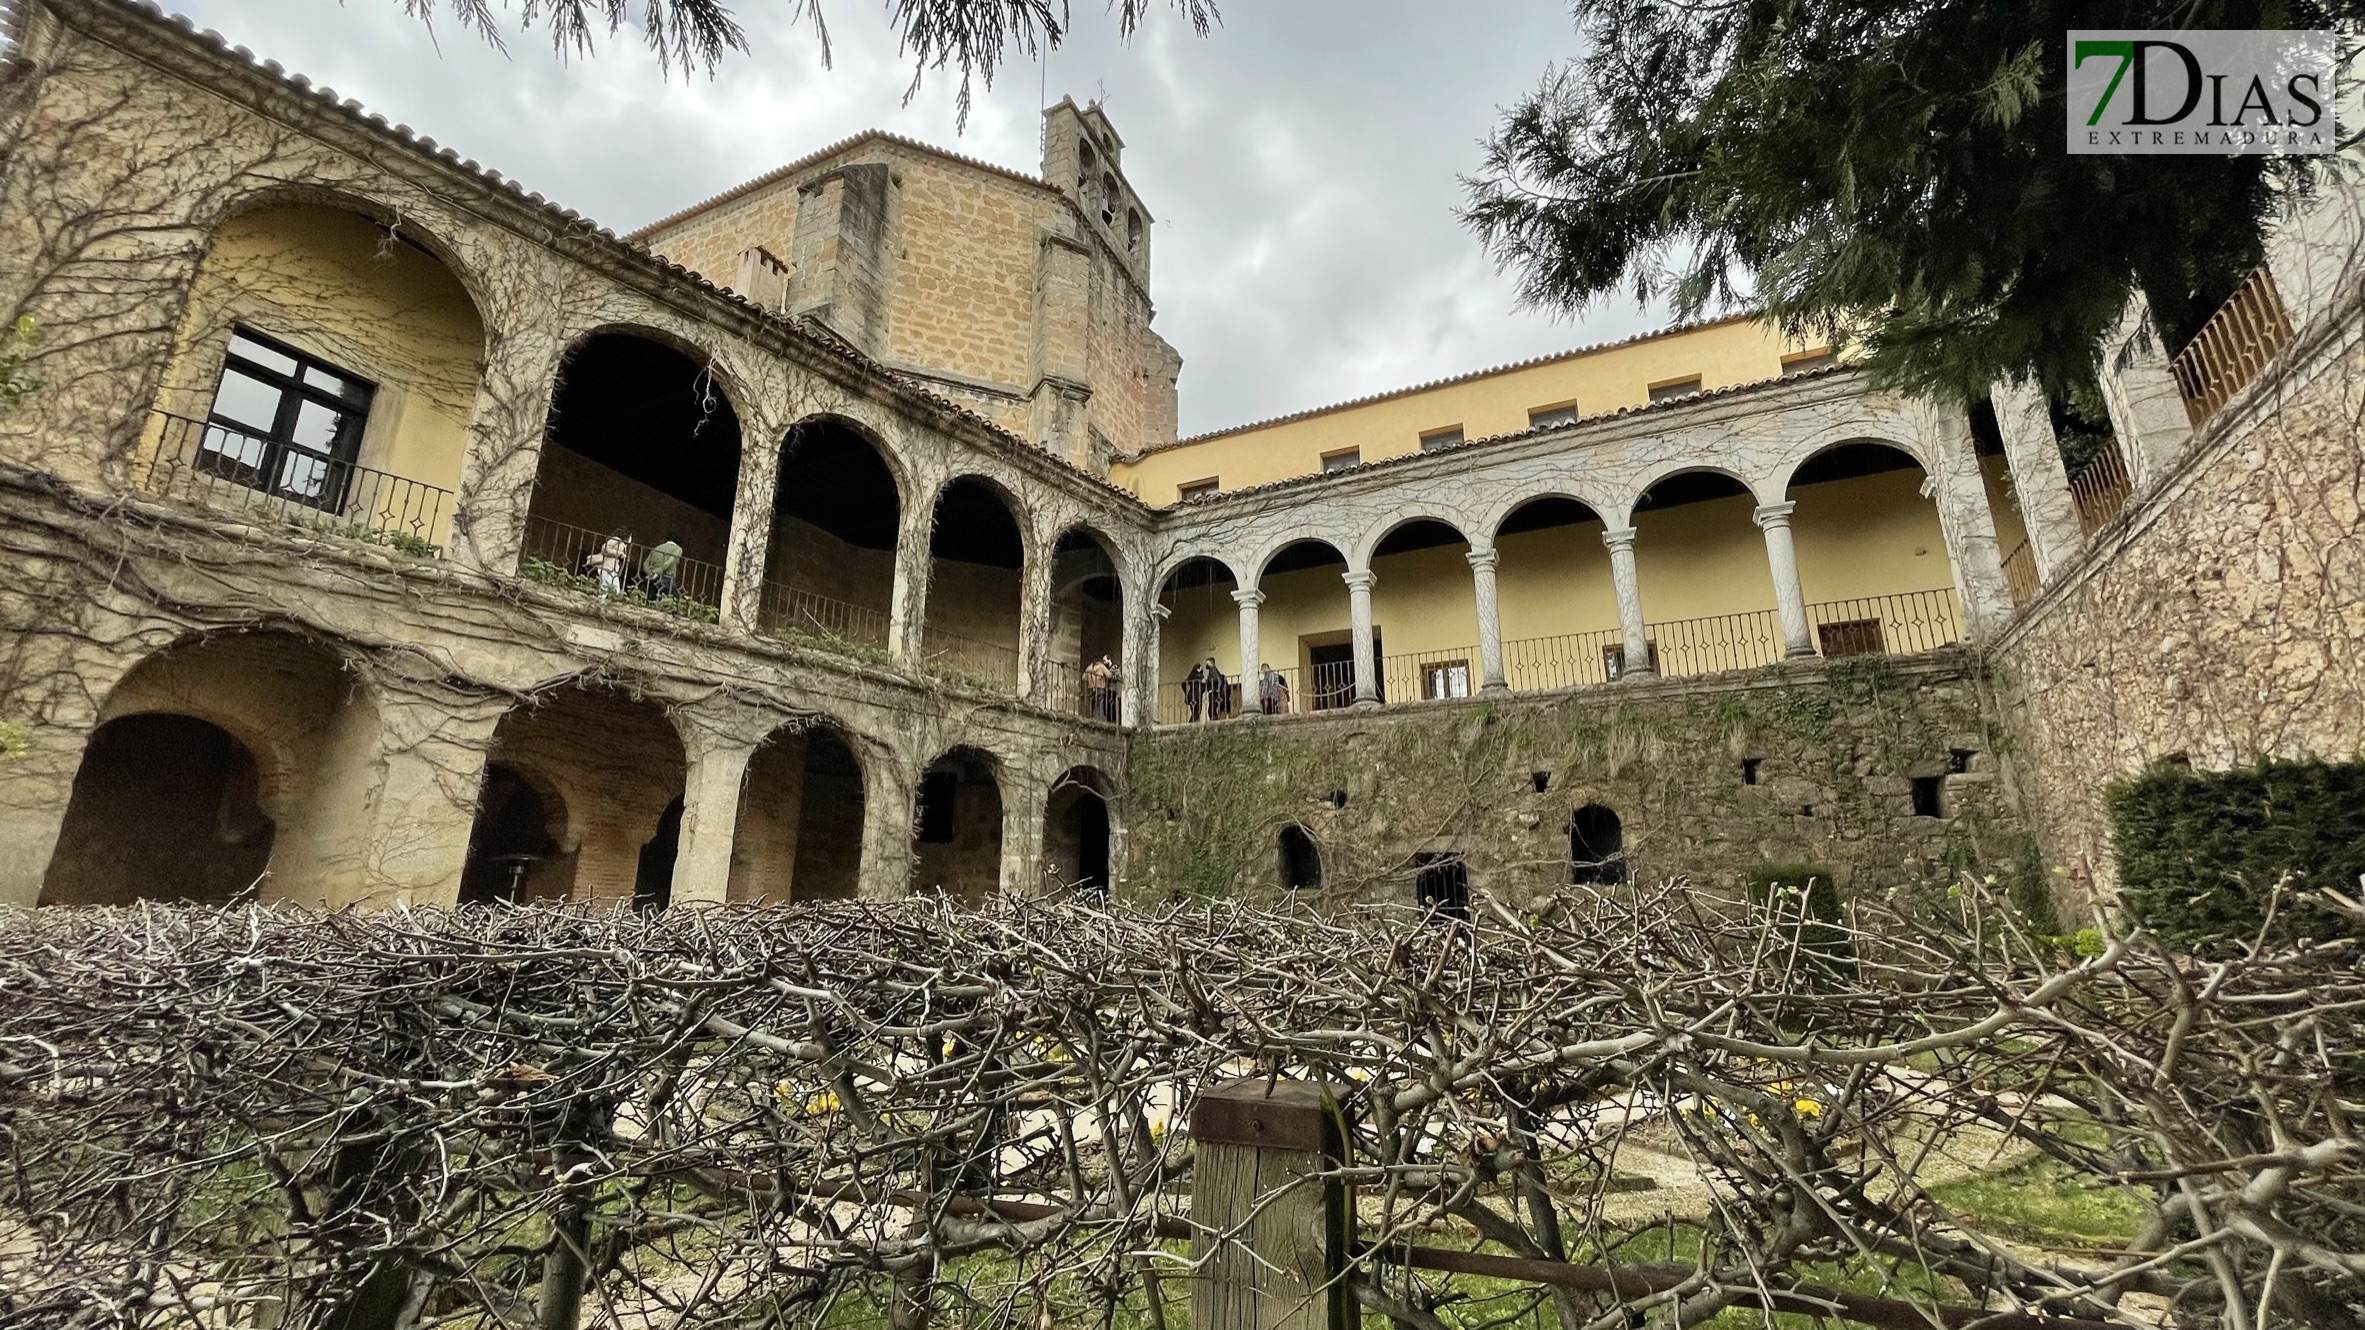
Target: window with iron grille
pixel 284 422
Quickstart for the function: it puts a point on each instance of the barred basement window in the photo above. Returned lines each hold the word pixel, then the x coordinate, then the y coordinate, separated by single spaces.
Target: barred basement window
pixel 1301 859
pixel 1851 637
pixel 1443 884
pixel 284 422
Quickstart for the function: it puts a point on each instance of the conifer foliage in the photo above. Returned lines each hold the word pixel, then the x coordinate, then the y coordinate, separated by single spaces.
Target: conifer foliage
pixel 1893 170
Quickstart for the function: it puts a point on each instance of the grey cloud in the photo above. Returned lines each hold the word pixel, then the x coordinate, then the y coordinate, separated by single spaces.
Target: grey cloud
pixel 1301 161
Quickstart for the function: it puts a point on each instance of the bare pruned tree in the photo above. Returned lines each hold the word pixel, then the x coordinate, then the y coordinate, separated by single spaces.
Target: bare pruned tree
pixel 895 1113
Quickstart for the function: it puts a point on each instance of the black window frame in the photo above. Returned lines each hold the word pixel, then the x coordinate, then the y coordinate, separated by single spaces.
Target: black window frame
pixel 268 473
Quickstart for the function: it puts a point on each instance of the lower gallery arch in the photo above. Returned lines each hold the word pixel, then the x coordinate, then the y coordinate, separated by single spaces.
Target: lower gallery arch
pixel 799 835
pixel 1076 832
pixel 514 852
pixel 957 827
pixel 165 807
pixel 608 770
pixel 1872 559
pixel 206 779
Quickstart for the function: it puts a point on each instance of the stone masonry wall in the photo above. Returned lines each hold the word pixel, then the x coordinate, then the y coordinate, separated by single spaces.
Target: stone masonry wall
pixel 1836 749
pixel 2225 621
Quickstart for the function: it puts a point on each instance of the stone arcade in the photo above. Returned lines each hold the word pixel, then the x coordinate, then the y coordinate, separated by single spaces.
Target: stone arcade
pixel 379 533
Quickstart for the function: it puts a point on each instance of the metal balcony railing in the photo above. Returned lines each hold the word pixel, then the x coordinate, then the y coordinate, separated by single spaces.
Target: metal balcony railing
pixel 994 664
pixel 786 609
pixel 1071 689
pixel 228 469
pixel 611 564
pixel 2100 490
pixel 2237 342
pixel 2020 573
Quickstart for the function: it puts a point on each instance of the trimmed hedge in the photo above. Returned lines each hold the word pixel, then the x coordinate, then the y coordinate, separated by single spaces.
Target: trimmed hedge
pixel 2200 852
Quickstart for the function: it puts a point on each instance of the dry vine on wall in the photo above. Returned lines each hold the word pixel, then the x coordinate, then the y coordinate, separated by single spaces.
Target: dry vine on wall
pixel 856 1114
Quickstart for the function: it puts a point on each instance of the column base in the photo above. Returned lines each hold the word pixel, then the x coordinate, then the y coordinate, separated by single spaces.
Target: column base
pixel 1365 704
pixel 1495 690
pixel 1801 653
pixel 1640 673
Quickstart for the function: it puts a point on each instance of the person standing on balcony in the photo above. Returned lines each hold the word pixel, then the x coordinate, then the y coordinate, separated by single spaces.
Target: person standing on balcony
pixel 1100 689
pixel 1194 687
pixel 1274 689
pixel 659 567
pixel 1219 692
pixel 608 565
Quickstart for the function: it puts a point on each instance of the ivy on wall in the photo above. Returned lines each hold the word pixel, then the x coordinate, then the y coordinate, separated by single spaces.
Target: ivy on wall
pixel 2204 857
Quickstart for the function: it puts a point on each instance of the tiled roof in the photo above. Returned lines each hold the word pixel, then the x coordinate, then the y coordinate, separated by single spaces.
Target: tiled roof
pixel 1393 393
pixel 1671 404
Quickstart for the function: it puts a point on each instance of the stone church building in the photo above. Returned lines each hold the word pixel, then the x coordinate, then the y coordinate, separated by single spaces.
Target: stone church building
pixel 379 533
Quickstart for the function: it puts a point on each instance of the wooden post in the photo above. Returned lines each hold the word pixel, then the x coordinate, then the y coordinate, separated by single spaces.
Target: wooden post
pixel 1259 1149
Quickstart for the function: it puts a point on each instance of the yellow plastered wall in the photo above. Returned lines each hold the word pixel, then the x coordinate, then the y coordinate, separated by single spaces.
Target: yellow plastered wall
pixel 337 286
pixel 1860 537
pixel 1613 378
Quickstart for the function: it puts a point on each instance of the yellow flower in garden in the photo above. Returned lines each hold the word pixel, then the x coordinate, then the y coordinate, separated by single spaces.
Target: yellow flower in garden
pixel 1807 1108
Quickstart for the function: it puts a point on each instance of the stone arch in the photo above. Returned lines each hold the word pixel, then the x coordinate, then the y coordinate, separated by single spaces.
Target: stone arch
pixel 324 363
pixel 1875 570
pixel 1556 597
pixel 1424 606
pixel 957 824
pixel 1658 476
pixel 1367 547
pixel 1199 620
pixel 839 500
pixel 164 806
pixel 1177 560
pixel 1503 510
pixel 803 810
pixel 1782 476
pixel 261 717
pixel 614 760
pixel 514 844
pixel 642 450
pixel 1297 548
pixel 400 219
pixel 981 542
pixel 1080 831
pixel 1089 599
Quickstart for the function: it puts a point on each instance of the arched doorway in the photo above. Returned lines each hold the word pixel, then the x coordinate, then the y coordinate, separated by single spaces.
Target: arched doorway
pixel 610 771
pixel 976 569
pixel 830 572
pixel 513 848
pixel 1596 846
pixel 957 827
pixel 1556 596
pixel 641 453
pixel 1076 832
pixel 652 881
pixel 165 807
pixel 1873 565
pixel 1086 653
pixel 1301 859
pixel 799 834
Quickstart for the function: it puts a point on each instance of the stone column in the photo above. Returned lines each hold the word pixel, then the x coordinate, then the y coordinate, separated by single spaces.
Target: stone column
pixel 2038 478
pixel 1782 559
pixel 888 806
pixel 1367 675
pixel 523 351
pixel 907 616
pixel 1490 621
pixel 386 816
pixel 1144 694
pixel 1034 630
pixel 2146 408
pixel 1638 648
pixel 750 546
pixel 1249 698
pixel 1963 517
pixel 710 818
pixel 1023 809
pixel 1141 646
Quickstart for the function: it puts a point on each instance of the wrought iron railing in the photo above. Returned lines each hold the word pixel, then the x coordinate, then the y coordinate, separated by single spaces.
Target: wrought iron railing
pixel 991 663
pixel 1904 624
pixel 1715 642
pixel 226 468
pixel 1078 691
pixel 787 609
pixel 2100 489
pixel 1430 676
pixel 2238 341
pixel 1569 660
pixel 2020 573
pixel 611 563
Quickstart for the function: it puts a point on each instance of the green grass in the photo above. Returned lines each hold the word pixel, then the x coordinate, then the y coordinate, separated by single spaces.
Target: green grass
pixel 2044 1203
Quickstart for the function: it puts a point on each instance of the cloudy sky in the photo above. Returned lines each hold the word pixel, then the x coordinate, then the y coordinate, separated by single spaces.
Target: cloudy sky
pixel 1301 160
